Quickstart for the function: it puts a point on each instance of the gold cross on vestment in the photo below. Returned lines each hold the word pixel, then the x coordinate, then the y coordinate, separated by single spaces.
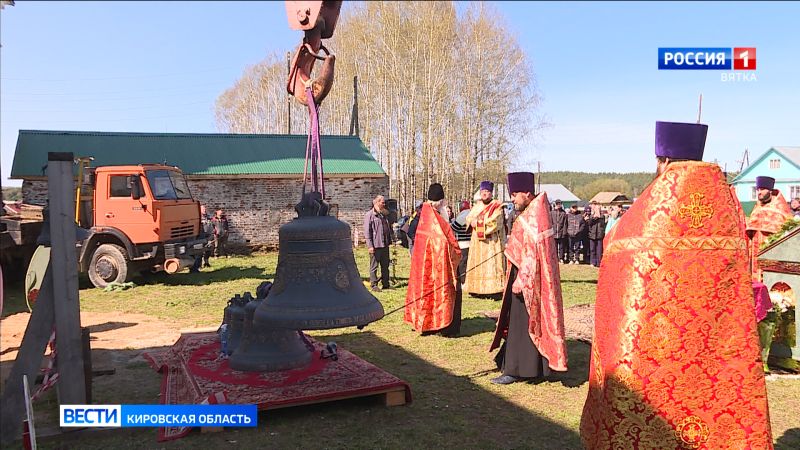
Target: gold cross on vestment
pixel 696 210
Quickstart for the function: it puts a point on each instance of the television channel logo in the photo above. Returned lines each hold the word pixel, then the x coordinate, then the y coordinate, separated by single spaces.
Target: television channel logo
pixel 158 415
pixel 706 58
pixel 90 415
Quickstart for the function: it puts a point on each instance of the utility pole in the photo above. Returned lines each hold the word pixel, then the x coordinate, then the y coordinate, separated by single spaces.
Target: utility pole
pixel 288 97
pixel 745 161
pixel 3 4
pixel 354 128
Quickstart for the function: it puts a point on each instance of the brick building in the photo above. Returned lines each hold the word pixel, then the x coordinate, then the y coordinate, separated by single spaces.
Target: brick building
pixel 255 178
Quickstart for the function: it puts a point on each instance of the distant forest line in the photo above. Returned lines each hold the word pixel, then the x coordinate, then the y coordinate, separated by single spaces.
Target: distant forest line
pixel 586 185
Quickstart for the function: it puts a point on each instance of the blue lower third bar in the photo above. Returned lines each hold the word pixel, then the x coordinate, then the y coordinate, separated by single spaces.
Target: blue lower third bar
pixel 189 416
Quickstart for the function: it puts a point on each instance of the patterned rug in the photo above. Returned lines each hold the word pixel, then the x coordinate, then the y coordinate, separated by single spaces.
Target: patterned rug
pixel 578 322
pixel 194 373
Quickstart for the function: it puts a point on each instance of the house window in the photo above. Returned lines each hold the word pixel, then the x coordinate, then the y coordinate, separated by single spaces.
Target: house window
pixel 754 193
pixel 774 163
pixel 794 191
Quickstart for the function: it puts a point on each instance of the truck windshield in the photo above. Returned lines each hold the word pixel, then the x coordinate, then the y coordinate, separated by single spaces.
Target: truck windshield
pixel 168 185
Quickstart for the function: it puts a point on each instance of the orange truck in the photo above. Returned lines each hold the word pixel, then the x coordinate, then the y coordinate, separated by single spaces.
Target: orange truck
pixel 140 218
pixel 135 219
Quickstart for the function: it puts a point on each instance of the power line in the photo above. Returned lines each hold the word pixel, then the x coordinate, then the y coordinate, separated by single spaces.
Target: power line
pixel 127 91
pixel 117 99
pixel 98 110
pixel 127 119
pixel 128 77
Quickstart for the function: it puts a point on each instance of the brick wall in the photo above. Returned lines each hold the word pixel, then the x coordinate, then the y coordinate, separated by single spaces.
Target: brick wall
pixel 257 207
pixel 34 192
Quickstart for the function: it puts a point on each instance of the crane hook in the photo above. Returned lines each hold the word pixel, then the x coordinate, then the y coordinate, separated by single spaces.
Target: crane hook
pixel 300 74
pixel 317 20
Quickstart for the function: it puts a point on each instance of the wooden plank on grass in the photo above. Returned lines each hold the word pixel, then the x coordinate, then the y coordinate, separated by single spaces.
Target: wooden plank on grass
pixel 395 398
pixel 64 261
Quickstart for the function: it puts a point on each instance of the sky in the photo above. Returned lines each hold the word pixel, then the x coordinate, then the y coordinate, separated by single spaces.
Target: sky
pixel 159 66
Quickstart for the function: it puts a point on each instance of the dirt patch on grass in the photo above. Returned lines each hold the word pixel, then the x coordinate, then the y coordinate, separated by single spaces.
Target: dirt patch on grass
pixel 578 322
pixel 111 330
pixel 117 339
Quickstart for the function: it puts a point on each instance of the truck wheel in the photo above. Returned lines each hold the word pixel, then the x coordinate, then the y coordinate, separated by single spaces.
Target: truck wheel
pixel 109 265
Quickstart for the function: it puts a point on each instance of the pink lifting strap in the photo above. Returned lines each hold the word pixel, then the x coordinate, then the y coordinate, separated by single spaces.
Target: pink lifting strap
pixel 313 150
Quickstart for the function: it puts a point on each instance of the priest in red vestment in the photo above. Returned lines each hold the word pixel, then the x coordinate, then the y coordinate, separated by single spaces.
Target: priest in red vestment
pixel 532 315
pixel 433 299
pixel 767 218
pixel 675 360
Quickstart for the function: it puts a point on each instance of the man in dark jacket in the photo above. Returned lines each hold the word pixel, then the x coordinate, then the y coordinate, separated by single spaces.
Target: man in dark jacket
pixel 576 228
pixel 207 231
pixel 220 223
pixel 463 233
pixel 558 217
pixel 378 235
pixel 587 213
pixel 412 226
pixel 597 231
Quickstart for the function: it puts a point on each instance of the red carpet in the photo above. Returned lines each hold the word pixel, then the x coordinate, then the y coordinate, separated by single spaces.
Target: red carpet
pixel 194 373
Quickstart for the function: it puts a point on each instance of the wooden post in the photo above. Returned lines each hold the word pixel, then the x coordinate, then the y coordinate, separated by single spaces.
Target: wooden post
pixel 86 349
pixel 64 262
pixel 28 362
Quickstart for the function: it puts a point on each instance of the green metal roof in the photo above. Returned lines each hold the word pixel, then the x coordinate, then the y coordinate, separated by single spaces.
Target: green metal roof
pixel 195 154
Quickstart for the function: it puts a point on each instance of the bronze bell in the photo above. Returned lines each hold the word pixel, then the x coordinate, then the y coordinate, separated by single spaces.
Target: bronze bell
pixel 265 349
pixel 317 285
pixel 235 313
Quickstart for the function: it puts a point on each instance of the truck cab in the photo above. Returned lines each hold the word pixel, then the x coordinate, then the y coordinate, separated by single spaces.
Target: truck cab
pixel 143 218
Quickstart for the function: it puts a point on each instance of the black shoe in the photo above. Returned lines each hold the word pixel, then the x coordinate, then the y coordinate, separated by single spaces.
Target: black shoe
pixel 506 379
pixel 387 287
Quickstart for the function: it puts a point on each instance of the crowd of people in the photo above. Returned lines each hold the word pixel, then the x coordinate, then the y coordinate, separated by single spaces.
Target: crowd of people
pixel 579 233
pixel 486 252
pixel 675 340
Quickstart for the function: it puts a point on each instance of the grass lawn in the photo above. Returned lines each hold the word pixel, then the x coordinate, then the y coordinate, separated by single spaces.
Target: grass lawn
pixel 454 406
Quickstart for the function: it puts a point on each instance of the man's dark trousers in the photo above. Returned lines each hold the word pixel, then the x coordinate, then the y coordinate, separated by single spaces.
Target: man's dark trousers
pixel 380 256
pixel 563 249
pixel 575 248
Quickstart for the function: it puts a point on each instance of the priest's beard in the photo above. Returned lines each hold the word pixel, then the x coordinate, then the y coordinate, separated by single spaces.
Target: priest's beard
pixel 486 202
pixel 764 199
pixel 660 169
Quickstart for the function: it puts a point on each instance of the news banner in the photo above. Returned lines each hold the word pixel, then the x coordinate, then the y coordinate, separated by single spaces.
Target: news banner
pixel 158 416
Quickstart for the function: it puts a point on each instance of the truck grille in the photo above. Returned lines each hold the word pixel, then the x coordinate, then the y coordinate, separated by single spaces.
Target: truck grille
pixel 181 232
